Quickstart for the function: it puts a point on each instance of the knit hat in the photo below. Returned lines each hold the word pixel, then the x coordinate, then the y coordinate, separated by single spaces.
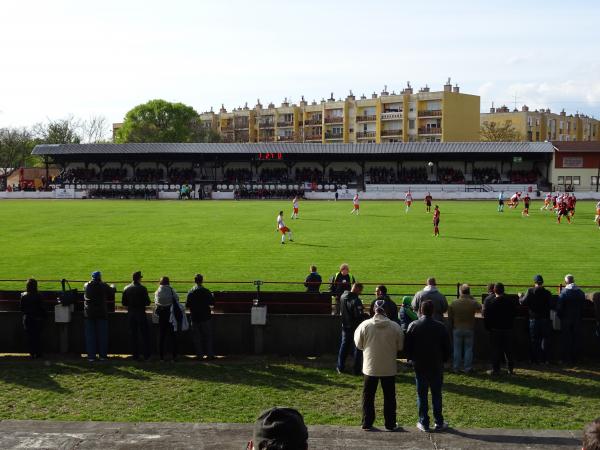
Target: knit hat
pixel 379 307
pixel 96 275
pixel 407 300
pixel 280 424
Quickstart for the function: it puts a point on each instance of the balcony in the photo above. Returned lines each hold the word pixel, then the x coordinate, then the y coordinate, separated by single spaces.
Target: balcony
pixel 431 113
pixel 285 138
pixel 391 132
pixel 314 137
pixel 228 127
pixel 314 121
pixel 365 134
pixel 266 124
pixel 334 135
pixel 241 125
pixel 391 116
pixel 334 119
pixel 366 118
pixel 430 130
pixel 285 123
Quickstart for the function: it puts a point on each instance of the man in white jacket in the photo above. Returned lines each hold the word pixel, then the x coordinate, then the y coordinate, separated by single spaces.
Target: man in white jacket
pixel 380 340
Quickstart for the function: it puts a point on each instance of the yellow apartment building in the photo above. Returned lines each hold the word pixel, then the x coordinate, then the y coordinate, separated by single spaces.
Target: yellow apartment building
pixel 423 116
pixel 544 125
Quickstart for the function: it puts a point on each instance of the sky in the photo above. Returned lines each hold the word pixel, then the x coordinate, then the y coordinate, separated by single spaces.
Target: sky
pixel 87 58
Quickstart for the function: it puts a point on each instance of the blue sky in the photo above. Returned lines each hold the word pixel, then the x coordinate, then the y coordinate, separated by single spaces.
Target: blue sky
pixel 85 58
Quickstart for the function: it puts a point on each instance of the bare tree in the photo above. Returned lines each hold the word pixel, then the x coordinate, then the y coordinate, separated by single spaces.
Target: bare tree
pixel 95 130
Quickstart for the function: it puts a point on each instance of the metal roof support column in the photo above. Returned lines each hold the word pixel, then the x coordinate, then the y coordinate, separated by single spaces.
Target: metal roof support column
pixel 362 175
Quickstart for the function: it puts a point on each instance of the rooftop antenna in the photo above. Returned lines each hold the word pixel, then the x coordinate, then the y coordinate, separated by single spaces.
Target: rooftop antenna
pixel 516 100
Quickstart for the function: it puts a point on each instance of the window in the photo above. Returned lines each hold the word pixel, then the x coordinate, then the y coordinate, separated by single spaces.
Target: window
pixel 576 181
pixel 411 124
pixel 594 181
pixel 537 136
pixel 561 180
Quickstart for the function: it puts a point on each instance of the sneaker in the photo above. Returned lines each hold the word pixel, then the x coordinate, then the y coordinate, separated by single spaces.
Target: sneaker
pixel 282 243
pixel 422 427
pixel 339 371
pixel 291 240
pixel 441 426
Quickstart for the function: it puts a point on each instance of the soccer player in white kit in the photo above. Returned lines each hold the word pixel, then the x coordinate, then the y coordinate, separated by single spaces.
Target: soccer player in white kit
pixel 295 206
pixel 282 228
pixel 355 205
pixel 408 201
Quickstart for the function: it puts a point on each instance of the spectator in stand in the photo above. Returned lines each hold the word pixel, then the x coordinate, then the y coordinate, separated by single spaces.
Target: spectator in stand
pixel 569 308
pixel 538 301
pixel 281 429
pixel 406 314
pixel 313 280
pixel 135 298
pixel 430 292
pixel 499 314
pixel 96 294
pixel 391 309
pixel 34 315
pixel 164 298
pixel 341 282
pixel 461 315
pixel 199 302
pixel 352 316
pixel 591 436
pixel 380 340
pixel 428 346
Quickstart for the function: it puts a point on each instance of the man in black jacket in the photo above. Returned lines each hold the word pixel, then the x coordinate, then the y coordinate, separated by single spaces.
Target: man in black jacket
pixel 96 294
pixel 340 283
pixel 313 280
pixel 352 315
pixel 499 314
pixel 199 301
pixel 135 298
pixel 427 344
pixel 538 300
pixel 390 307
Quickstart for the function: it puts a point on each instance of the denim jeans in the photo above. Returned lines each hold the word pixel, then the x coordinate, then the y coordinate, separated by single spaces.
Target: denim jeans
pixel 388 385
pixel 347 346
pixel 426 380
pixel 138 328
pixel 96 338
pixel 463 345
pixel 202 337
pixel 539 336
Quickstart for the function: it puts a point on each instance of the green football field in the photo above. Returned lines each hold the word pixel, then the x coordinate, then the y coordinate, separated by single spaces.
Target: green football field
pixel 237 241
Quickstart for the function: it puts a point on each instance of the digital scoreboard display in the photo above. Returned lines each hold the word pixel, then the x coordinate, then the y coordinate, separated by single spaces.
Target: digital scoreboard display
pixel 270 156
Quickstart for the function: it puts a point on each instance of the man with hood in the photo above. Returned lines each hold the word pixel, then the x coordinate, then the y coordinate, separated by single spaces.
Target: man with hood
pixel 380 339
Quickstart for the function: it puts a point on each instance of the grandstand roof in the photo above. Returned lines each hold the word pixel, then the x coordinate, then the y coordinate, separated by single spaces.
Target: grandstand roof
pixel 577 146
pixel 294 148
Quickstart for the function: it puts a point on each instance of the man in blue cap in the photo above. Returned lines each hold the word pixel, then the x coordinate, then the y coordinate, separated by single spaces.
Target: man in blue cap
pixel 538 300
pixel 96 293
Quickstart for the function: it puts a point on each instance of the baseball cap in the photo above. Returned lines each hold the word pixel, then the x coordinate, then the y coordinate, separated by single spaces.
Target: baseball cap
pixel 96 275
pixel 538 279
pixel 281 424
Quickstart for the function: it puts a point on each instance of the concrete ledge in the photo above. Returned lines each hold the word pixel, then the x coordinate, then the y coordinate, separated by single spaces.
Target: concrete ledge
pixel 108 435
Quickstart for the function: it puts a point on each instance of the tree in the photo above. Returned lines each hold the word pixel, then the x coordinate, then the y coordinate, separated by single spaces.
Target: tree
pixel 162 121
pixel 15 150
pixel 61 131
pixel 492 132
pixel 94 130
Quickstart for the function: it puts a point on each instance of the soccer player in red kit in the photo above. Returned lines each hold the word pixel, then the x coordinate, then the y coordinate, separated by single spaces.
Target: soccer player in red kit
pixel 436 221
pixel 563 210
pixel 428 200
pixel 526 201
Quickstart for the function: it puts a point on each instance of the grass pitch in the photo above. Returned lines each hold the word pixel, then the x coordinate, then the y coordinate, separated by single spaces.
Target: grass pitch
pixel 237 241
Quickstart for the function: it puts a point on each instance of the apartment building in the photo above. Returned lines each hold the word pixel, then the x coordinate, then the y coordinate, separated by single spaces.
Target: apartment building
pixel 544 125
pixel 407 116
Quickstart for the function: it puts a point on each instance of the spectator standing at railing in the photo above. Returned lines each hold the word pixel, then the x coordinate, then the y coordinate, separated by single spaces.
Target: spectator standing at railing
pixel 341 282
pixel 569 308
pixel 538 301
pixel 352 316
pixel 199 301
pixel 96 293
pixel 313 281
pixel 380 340
pixel 461 316
pixel 34 315
pixel 428 346
pixel 430 292
pixel 135 298
pixel 406 313
pixel 499 314
pixel 391 309
pixel 164 298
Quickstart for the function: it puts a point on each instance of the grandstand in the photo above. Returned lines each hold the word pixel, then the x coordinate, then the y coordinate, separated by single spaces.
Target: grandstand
pixel 221 169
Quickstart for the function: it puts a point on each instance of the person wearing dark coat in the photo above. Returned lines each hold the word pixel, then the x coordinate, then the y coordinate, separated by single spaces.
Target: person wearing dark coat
pixel 390 307
pixel 538 301
pixel 34 315
pixel 340 283
pixel 353 314
pixel 199 301
pixel 313 281
pixel 499 314
pixel 569 308
pixel 136 299
pixel 96 293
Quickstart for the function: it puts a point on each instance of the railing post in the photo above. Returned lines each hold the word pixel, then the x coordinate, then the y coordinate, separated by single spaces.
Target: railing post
pixel 457 290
